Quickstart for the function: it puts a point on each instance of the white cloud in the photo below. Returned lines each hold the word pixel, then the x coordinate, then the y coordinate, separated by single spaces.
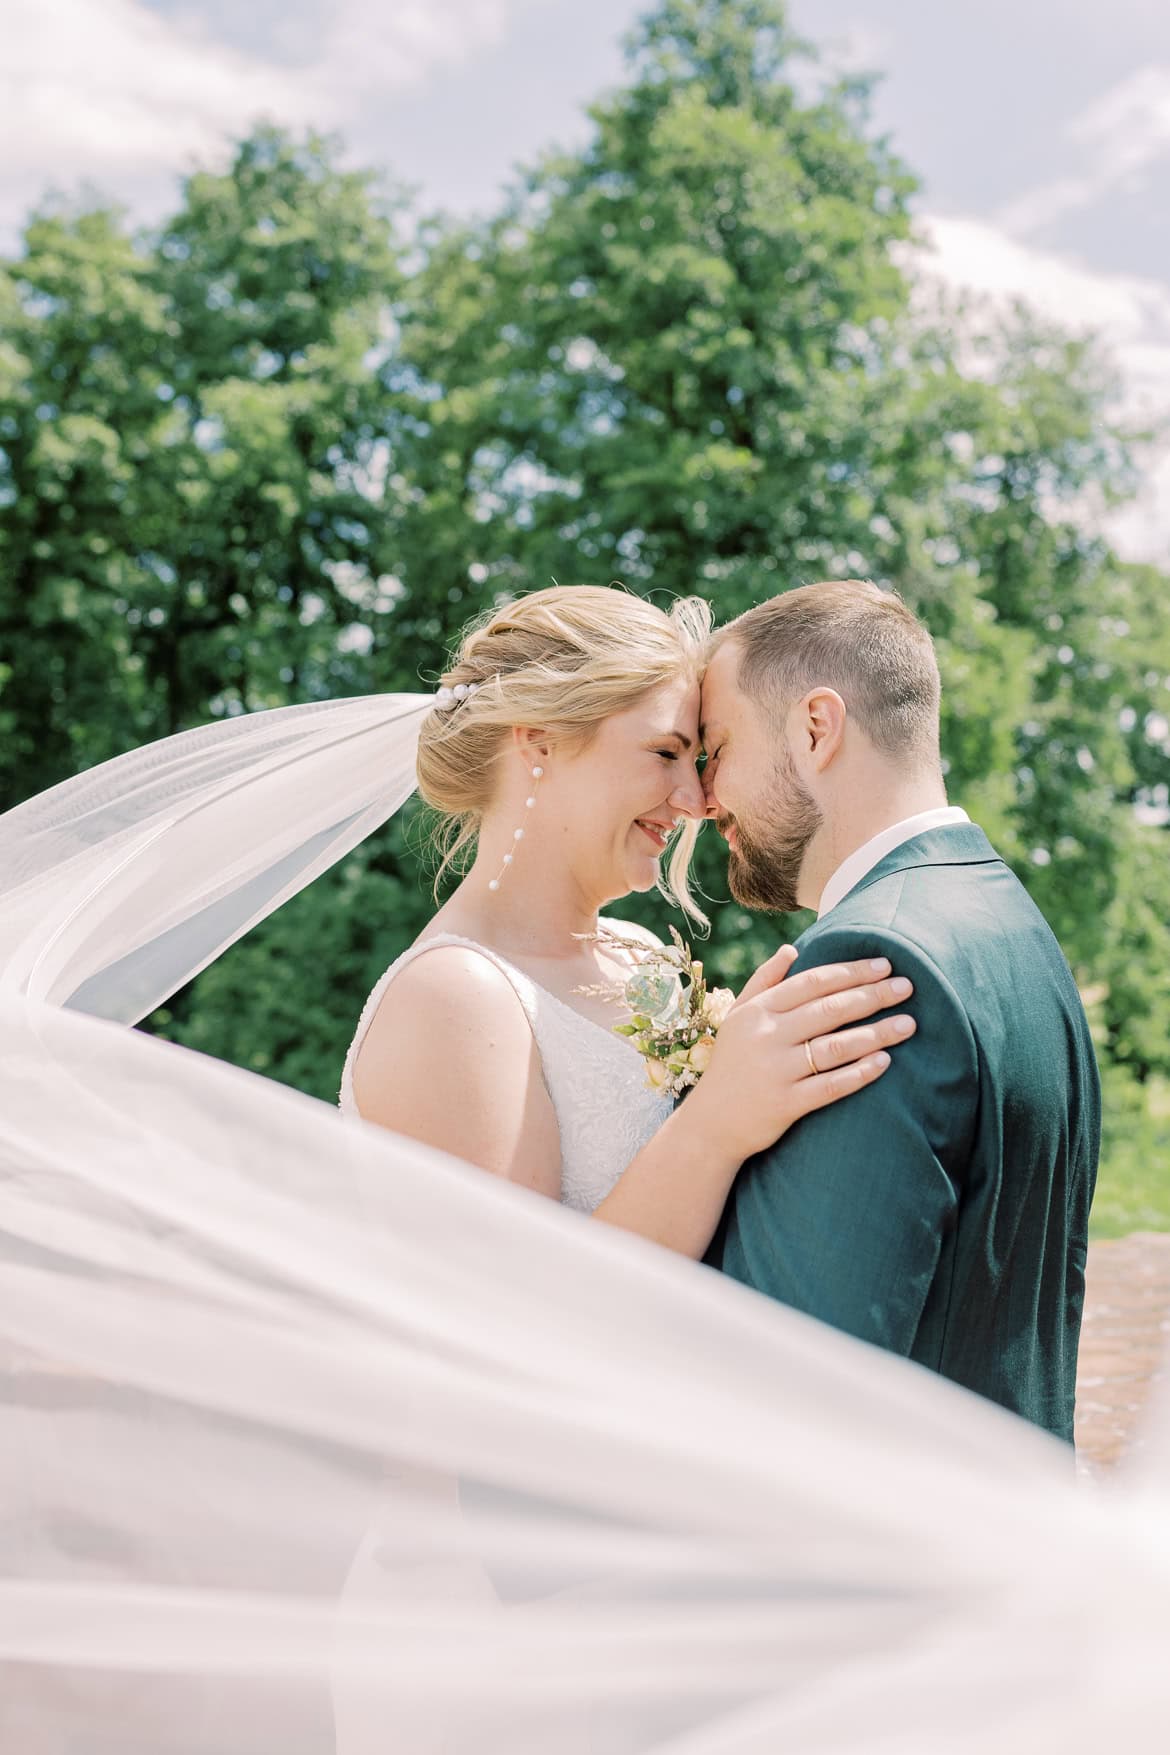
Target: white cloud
pixel 124 97
pixel 1130 124
pixel 373 47
pixel 1124 131
pixel 859 47
pixel 1129 313
pixel 107 89
pixel 1031 212
pixel 980 254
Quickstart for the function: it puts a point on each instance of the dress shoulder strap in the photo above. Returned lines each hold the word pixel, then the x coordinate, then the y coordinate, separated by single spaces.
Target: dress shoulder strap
pixel 523 988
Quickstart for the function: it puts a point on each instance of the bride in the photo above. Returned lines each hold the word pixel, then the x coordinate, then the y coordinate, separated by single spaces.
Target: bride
pixel 565 745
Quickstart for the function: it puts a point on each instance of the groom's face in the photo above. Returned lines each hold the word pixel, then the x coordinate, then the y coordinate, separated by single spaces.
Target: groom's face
pixel 754 792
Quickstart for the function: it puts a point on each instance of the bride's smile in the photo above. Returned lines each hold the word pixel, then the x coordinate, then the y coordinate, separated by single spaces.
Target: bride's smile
pixel 612 808
pixel 657 833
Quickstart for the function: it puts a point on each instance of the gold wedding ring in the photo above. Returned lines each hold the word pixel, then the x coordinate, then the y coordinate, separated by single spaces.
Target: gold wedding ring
pixel 808 1055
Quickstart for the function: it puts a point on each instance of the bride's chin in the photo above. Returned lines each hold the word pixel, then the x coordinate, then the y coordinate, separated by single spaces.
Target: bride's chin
pixel 644 876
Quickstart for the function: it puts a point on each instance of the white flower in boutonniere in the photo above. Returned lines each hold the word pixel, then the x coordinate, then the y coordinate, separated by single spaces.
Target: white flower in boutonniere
pixel 674 1016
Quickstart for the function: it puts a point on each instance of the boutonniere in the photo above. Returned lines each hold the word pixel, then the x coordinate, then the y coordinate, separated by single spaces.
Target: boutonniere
pixel 674 1016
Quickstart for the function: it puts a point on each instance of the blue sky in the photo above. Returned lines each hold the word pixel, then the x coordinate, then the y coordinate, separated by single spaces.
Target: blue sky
pixel 1040 128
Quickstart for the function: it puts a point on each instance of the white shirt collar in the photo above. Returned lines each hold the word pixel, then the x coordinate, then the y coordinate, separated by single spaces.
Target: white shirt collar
pixel 852 870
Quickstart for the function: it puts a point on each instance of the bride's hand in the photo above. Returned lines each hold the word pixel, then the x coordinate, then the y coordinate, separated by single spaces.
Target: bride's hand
pixel 761 1077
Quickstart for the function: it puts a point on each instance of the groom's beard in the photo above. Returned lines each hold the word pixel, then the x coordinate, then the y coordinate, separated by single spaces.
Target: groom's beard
pixel 763 870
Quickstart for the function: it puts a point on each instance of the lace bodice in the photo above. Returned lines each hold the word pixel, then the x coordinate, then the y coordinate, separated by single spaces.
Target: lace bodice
pixel 596 1081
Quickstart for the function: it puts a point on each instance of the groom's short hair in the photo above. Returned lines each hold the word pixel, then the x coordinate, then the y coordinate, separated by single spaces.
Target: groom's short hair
pixel 851 636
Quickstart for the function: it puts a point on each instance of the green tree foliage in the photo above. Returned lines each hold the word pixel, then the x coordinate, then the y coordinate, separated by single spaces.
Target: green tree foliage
pixel 81 325
pixel 664 360
pixel 278 451
pixel 185 423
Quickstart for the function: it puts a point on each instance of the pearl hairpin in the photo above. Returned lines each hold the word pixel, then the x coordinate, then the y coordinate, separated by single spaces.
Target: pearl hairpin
pixel 446 698
pixel 518 834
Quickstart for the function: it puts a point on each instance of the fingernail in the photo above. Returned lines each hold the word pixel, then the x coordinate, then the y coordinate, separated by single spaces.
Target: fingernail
pixel 900 987
pixel 881 1060
pixel 880 965
pixel 903 1026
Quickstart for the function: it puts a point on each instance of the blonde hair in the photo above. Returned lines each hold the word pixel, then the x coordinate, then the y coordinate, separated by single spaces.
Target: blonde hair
pixel 560 660
pixel 848 635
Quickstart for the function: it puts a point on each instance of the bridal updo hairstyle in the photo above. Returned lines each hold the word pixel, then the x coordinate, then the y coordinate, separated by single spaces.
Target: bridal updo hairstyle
pixel 560 660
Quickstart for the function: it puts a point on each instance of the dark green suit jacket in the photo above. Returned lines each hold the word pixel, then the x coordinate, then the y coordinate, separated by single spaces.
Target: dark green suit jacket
pixel 942 1212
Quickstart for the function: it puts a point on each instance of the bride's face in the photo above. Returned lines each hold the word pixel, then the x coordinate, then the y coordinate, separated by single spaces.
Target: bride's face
pixel 619 798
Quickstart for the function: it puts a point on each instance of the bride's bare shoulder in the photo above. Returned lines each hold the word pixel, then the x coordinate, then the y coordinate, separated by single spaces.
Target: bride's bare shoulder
pixel 450 1058
pixel 445 977
pixel 446 996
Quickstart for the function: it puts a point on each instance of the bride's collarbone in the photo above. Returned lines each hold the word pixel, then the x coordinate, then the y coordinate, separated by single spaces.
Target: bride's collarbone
pixel 566 980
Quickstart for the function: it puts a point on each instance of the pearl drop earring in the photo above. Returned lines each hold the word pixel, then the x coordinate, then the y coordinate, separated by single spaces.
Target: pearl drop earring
pixel 518 834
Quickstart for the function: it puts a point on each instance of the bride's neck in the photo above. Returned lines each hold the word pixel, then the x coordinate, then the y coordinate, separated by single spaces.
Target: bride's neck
pixel 538 908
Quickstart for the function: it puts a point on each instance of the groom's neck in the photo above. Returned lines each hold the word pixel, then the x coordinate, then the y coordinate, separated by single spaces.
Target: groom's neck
pixel 855 815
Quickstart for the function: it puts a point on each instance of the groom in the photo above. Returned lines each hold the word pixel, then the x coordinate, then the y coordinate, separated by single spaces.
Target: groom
pixel 942 1212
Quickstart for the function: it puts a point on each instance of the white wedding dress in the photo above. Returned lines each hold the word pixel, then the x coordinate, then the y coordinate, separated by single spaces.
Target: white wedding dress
pixel 605 1110
pixel 236 1325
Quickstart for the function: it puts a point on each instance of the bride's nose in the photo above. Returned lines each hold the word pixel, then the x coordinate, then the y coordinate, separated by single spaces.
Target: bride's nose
pixel 687 797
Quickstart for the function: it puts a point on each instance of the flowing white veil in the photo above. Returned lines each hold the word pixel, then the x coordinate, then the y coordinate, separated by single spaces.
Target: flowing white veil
pixel 313 1439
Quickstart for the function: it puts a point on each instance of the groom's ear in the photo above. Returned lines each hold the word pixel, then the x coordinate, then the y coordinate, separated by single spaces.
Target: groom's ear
pixel 820 728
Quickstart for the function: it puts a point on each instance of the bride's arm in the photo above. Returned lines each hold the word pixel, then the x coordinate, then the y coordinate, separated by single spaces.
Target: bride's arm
pixel 449 1059
pixel 757 1085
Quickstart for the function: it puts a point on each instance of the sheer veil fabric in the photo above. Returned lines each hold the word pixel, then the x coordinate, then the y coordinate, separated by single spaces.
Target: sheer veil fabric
pixel 621 1504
